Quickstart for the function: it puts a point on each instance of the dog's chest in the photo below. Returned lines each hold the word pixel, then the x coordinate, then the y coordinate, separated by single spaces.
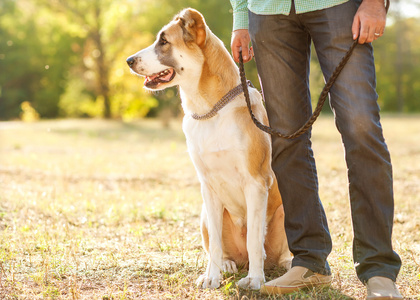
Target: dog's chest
pixel 219 153
pixel 215 144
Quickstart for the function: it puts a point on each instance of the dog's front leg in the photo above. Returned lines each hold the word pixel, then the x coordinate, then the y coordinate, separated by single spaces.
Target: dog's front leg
pixel 256 200
pixel 214 208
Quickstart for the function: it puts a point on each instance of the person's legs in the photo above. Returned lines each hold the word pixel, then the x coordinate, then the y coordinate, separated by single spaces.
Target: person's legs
pixel 282 53
pixel 354 102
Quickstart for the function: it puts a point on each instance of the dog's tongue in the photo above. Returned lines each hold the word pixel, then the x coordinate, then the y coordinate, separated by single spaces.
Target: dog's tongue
pixel 163 76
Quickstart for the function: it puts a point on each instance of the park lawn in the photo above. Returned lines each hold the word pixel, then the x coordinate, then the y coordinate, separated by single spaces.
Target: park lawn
pixel 93 209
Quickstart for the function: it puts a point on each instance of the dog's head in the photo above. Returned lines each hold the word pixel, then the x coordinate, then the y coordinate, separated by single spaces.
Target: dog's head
pixel 176 51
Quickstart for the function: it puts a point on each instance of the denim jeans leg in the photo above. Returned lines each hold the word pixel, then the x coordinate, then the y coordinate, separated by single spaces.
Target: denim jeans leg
pixel 282 52
pixel 354 103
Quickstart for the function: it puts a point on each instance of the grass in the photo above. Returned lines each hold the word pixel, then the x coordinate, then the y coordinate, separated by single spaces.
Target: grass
pixel 94 209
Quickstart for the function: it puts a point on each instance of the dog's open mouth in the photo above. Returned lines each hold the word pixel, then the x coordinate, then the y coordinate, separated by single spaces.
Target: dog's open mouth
pixel 154 80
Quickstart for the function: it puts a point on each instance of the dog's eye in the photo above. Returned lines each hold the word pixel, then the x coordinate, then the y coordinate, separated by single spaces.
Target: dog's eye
pixel 162 40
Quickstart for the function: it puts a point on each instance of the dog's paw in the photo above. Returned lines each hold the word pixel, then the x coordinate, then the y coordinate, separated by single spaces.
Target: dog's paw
pixel 229 266
pixel 287 264
pixel 207 282
pixel 253 283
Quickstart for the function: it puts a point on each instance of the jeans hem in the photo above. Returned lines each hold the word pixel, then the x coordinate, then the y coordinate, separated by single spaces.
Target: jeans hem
pixel 312 267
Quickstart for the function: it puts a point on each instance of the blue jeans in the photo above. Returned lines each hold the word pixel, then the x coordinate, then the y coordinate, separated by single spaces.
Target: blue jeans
pixel 282 52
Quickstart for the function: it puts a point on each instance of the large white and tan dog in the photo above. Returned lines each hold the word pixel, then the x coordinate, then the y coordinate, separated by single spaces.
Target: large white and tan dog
pixel 242 218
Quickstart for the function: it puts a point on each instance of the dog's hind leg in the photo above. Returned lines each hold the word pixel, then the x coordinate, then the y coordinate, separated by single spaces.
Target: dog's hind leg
pixel 234 243
pixel 256 201
pixel 230 250
pixel 213 232
pixel 276 245
pixel 204 230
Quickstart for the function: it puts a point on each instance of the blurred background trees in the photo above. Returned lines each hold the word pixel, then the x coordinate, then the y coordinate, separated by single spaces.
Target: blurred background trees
pixel 66 58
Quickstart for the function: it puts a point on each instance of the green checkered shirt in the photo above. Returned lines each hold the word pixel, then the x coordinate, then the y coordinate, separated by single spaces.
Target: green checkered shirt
pixel 274 7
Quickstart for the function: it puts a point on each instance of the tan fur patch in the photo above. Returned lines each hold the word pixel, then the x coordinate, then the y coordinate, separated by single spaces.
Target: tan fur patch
pixel 193 22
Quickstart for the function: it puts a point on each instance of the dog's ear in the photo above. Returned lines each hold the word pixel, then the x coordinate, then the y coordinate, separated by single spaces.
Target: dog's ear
pixel 194 26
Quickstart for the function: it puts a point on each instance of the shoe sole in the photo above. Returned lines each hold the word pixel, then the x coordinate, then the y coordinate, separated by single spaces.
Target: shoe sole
pixel 280 290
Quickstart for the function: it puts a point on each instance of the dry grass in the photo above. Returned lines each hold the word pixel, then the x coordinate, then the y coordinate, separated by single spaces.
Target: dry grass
pixel 105 210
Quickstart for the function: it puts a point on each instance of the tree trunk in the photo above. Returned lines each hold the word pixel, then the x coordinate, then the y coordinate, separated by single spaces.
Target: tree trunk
pixel 102 69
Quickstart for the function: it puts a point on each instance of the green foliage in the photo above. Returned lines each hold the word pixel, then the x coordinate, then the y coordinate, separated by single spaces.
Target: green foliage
pixel 75 102
pixel 34 57
pixel 397 63
pixel 67 57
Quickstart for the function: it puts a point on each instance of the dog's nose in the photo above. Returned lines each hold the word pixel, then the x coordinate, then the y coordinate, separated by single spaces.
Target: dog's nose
pixel 130 61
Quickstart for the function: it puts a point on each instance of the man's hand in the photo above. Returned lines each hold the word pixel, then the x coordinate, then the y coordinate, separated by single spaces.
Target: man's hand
pixel 241 40
pixel 369 21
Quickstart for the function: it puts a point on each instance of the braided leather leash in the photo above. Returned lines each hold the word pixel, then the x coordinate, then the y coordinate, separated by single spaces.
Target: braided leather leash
pixel 321 100
pixel 232 94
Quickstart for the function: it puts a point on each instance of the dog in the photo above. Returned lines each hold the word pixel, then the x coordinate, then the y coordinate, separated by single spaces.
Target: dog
pixel 242 219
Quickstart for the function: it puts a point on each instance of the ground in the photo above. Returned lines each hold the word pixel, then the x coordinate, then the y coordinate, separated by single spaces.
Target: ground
pixel 93 209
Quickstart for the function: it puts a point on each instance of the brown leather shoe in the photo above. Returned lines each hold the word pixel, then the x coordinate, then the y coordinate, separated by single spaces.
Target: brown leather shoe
pixel 381 288
pixel 295 279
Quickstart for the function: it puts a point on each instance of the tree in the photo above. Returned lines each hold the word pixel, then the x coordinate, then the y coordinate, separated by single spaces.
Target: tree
pixel 100 27
pixel 31 60
pixel 397 57
pixel 88 18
